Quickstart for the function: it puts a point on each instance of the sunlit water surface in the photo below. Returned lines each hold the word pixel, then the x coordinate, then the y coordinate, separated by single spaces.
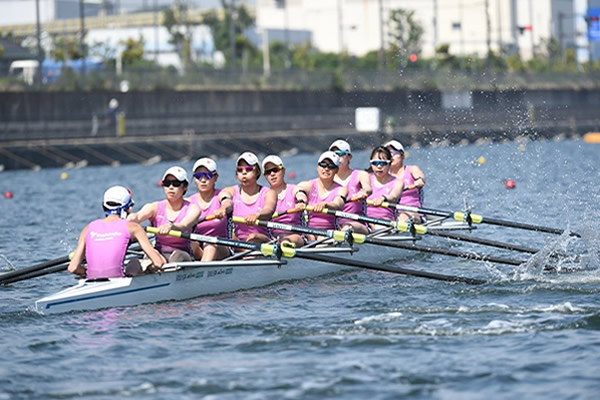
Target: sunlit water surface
pixel 348 335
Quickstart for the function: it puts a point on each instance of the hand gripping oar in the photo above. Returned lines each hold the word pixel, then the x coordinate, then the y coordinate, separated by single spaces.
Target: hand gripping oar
pixel 9 276
pixel 274 249
pixel 337 235
pixel 468 217
pixel 360 238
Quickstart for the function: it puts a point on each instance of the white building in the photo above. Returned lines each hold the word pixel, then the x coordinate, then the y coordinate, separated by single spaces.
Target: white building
pixel 466 25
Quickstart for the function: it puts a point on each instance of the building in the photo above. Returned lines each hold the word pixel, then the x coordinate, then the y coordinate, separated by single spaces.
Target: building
pixel 468 26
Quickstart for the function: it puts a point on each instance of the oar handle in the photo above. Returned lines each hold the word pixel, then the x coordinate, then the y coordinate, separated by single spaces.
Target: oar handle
pixel 401 226
pixel 266 249
pixel 288 211
pixel 337 235
pixel 207 218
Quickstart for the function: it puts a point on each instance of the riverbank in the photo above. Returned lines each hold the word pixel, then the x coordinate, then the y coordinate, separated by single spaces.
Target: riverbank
pixel 68 130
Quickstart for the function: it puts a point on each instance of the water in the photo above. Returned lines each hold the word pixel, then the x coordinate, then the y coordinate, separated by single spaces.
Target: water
pixel 349 335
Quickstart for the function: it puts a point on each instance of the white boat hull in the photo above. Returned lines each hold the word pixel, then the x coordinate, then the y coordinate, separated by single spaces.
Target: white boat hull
pixel 191 280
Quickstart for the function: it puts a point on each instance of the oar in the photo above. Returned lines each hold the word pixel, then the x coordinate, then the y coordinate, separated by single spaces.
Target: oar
pixel 272 249
pixel 360 238
pixel 422 230
pixel 207 218
pixel 266 249
pixel 468 217
pixel 35 274
pixel 24 271
pixel 42 269
pixel 337 235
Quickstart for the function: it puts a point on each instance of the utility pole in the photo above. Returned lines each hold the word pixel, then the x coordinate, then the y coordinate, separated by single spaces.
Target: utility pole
pixel 340 25
pixel 155 23
pixel 435 25
pixel 287 35
pixel 499 22
pixel 531 30
pixel 232 35
pixel 38 34
pixel 381 52
pixel 488 30
pixel 561 15
pixel 82 37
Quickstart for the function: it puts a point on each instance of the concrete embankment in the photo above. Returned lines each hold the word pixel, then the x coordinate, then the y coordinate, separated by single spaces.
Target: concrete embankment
pixel 70 129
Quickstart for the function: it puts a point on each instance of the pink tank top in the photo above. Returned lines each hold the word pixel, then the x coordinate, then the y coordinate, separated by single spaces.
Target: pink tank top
pixel 378 191
pixel 168 244
pixel 105 248
pixel 318 220
pixel 241 209
pixel 354 207
pixel 215 227
pixel 288 202
pixel 412 197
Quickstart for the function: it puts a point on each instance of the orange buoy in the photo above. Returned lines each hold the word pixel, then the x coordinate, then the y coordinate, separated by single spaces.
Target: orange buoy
pixel 292 175
pixel 510 184
pixel 592 137
pixel 8 194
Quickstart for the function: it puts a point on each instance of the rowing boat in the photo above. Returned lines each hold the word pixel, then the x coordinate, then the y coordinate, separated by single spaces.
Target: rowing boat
pixel 186 280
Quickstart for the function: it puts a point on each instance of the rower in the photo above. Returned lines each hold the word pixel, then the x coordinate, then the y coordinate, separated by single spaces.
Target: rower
pixel 251 200
pixel 212 203
pixel 323 192
pixel 386 188
pixel 169 214
pixel 274 172
pixel 356 182
pixel 104 241
pixel 413 179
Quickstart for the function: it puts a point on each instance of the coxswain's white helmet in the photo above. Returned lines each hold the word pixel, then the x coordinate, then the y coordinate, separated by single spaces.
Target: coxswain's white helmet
pixel 117 200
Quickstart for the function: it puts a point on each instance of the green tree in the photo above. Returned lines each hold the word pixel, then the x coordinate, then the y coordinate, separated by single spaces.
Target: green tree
pixel 404 36
pixel 66 49
pixel 179 26
pixel 133 52
pixel 242 20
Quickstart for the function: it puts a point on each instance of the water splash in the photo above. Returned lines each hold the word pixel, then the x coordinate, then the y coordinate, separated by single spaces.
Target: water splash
pixel 6 265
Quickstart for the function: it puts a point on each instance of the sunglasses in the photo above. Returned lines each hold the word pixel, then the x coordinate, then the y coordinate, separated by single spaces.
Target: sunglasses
pixel 380 163
pixel 394 151
pixel 340 153
pixel 246 168
pixel 273 170
pixel 174 183
pixel 202 174
pixel 327 165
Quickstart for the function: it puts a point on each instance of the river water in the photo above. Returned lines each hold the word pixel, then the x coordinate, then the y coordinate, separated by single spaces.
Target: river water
pixel 351 335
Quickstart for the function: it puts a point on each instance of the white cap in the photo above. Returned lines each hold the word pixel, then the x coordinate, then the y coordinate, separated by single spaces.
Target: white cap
pixel 395 144
pixel 273 159
pixel 178 172
pixel 249 157
pixel 341 144
pixel 331 156
pixel 207 163
pixel 116 197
